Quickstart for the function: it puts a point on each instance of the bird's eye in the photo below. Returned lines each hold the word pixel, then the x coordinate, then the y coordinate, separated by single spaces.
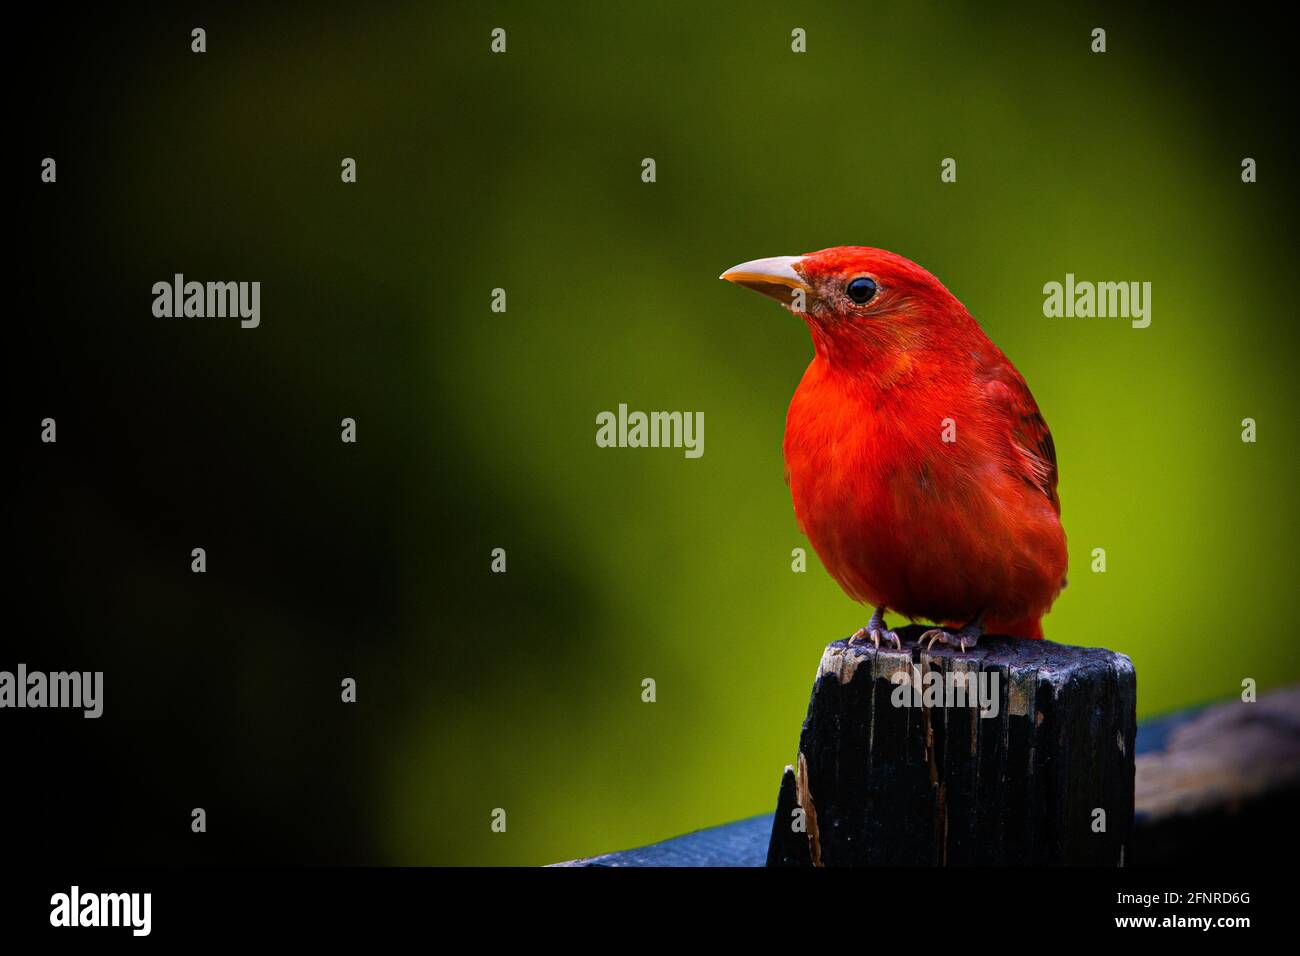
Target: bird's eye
pixel 861 290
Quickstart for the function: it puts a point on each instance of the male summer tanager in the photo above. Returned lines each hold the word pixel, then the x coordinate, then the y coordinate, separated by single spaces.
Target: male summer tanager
pixel 920 466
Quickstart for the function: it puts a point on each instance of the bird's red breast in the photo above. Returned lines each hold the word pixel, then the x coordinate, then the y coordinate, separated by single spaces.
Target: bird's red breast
pixel 920 467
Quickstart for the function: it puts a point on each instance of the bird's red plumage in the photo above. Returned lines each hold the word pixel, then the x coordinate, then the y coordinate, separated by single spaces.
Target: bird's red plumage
pixel 934 529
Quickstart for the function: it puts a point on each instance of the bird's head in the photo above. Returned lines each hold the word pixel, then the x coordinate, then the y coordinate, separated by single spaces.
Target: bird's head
pixel 857 300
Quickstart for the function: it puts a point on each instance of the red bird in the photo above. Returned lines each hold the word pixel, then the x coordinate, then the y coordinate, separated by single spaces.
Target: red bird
pixel 921 469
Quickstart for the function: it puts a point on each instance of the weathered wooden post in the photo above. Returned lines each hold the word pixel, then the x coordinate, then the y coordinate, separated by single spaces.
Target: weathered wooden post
pixel 1016 752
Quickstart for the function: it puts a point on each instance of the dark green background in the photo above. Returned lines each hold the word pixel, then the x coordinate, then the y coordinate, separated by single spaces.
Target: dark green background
pixel 476 429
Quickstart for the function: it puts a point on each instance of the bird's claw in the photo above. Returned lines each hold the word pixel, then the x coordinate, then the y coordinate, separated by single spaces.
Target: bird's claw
pixel 876 630
pixel 877 634
pixel 934 634
pixel 968 635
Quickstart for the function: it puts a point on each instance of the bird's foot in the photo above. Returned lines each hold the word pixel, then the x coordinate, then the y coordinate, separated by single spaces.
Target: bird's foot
pixel 876 635
pixel 876 631
pixel 965 638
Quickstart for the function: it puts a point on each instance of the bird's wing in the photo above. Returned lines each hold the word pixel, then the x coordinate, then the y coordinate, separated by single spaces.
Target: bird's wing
pixel 1033 452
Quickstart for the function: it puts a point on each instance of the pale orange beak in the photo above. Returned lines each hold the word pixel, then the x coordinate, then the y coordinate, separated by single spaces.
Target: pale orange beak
pixel 777 277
